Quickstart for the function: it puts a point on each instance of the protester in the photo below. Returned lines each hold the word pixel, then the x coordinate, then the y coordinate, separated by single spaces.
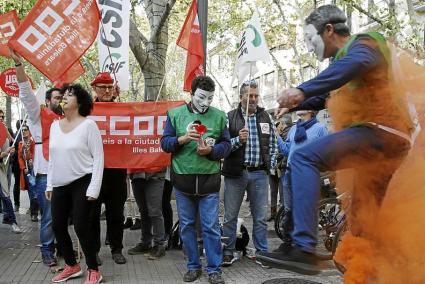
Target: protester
pixel 74 180
pixel 373 131
pixel 113 192
pixel 40 166
pixel 148 191
pixel 27 179
pixel 196 134
pixel 9 216
pixel 253 155
pixel 14 161
pixel 306 130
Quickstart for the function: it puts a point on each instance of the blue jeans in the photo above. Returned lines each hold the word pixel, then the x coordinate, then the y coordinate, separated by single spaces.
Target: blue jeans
pixel 8 213
pixel 256 184
pixel 286 189
pixel 47 237
pixel 188 207
pixel 366 150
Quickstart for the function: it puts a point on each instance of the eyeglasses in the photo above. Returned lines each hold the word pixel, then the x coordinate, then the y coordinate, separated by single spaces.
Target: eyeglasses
pixel 25 129
pixel 105 87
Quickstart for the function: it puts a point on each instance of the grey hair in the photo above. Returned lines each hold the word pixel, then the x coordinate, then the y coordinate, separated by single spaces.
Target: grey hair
pixel 329 14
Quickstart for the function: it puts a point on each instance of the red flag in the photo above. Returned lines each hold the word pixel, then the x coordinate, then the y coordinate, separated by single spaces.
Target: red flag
pixel 190 38
pixel 55 34
pixel 9 22
pixel 71 75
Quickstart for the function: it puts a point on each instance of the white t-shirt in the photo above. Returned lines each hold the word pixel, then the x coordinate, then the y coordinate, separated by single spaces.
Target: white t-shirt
pixel 74 154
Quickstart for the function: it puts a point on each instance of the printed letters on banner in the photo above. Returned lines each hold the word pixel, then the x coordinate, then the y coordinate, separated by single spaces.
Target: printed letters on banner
pixel 9 22
pixel 114 33
pixel 131 133
pixel 9 82
pixel 56 33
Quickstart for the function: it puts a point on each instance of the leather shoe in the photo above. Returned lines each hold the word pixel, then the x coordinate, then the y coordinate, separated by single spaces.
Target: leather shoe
pixel 119 258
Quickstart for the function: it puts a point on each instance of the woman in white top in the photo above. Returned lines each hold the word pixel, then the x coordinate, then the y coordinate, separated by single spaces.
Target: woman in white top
pixel 74 179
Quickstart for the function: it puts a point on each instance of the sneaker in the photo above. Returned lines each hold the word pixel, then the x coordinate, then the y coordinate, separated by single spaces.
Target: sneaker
pixel 139 249
pixel 137 225
pixel 157 252
pixel 192 275
pixel 284 247
pixel 294 260
pixel 227 260
pixel 67 273
pixel 215 278
pixel 49 261
pixel 93 277
pixel 119 258
pixel 16 229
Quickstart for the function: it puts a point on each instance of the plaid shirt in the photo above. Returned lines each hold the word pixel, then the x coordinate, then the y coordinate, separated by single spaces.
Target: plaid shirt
pixel 252 148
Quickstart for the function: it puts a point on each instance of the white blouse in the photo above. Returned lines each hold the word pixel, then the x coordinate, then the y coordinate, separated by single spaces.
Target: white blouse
pixel 74 154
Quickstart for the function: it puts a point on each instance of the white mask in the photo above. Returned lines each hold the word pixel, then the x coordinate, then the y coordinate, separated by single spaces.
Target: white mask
pixel 201 100
pixel 314 41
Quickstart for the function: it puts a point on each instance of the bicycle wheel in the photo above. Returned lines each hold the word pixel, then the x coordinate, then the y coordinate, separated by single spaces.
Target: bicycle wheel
pixel 278 222
pixel 330 215
pixel 343 228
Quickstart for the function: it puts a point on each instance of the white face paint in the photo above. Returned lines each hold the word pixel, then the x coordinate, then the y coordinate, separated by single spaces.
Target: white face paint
pixel 201 100
pixel 314 41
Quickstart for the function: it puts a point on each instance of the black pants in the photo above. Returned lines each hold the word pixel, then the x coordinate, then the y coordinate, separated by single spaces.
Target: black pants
pixel 72 198
pixel 113 194
pixel 167 210
pixel 16 186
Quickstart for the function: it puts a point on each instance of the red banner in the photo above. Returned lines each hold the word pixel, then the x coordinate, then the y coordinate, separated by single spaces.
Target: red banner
pixel 131 133
pixel 9 22
pixel 71 75
pixel 9 83
pixel 190 38
pixel 55 34
pixel 3 134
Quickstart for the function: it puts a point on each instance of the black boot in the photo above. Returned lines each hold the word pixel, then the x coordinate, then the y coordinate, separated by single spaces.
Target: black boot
pixel 128 223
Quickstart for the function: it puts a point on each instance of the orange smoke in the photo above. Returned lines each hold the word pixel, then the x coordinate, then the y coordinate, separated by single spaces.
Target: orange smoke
pixel 391 248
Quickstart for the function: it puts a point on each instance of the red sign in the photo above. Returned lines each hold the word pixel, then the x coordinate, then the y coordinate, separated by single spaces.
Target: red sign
pixel 9 83
pixel 71 75
pixel 55 34
pixel 190 38
pixel 9 22
pixel 131 133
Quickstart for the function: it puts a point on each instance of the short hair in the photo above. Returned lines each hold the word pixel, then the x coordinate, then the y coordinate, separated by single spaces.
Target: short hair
pixel 251 83
pixel 329 14
pixel 84 99
pixel 50 91
pixel 203 82
pixel 1 111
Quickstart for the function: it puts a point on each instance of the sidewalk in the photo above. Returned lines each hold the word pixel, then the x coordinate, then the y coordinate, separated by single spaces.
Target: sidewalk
pixel 20 261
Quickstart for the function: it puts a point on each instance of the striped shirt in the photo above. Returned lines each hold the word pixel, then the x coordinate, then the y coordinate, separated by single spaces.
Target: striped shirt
pixel 252 150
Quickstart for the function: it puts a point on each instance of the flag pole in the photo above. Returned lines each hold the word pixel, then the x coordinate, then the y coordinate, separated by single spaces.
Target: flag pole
pixel 203 24
pixel 247 99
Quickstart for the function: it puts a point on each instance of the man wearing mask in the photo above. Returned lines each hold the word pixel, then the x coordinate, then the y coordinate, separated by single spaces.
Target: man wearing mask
pixel 113 192
pixel 373 131
pixel 196 134
pixel 253 156
pixel 40 164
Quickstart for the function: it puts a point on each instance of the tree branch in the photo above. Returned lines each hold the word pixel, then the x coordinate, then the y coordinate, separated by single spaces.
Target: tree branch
pixel 137 44
pixel 164 17
pixel 363 11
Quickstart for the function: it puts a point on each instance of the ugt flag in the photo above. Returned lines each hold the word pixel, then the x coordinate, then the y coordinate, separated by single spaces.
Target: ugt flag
pixel 190 38
pixel 252 47
pixel 9 22
pixel 55 34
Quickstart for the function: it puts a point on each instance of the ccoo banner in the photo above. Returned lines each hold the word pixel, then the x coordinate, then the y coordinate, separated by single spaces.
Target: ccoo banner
pixel 56 33
pixel 9 22
pixel 113 40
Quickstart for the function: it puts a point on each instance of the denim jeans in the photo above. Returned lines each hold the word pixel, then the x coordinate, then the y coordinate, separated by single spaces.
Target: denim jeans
pixel 188 207
pixel 47 237
pixel 148 195
pixel 8 213
pixel 256 184
pixel 365 149
pixel 286 189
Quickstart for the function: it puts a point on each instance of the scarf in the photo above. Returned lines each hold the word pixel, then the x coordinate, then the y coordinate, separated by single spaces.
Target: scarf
pixel 302 126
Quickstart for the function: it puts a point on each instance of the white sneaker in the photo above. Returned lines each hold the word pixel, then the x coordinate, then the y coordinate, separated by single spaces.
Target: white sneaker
pixel 16 229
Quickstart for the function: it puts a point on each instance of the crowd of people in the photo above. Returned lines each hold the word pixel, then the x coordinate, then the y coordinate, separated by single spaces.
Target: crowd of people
pixel 248 148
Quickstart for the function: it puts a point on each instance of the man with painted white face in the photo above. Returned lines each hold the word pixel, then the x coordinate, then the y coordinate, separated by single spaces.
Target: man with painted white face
pixel 197 136
pixel 254 151
pixel 372 123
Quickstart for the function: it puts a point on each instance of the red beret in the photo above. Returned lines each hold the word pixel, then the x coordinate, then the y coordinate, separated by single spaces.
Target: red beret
pixel 102 78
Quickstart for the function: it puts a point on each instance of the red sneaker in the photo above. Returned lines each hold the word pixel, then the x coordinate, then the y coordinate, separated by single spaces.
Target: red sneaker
pixel 68 273
pixel 93 277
